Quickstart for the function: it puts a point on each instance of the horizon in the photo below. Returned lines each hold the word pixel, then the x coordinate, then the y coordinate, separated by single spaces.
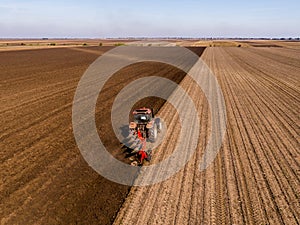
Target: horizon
pixel 152 38
pixel 139 19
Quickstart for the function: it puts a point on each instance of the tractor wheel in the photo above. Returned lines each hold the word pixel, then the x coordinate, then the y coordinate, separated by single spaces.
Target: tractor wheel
pixel 149 155
pixel 159 125
pixel 153 133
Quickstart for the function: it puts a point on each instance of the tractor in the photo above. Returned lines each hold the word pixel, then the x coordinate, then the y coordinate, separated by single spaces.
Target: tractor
pixel 144 127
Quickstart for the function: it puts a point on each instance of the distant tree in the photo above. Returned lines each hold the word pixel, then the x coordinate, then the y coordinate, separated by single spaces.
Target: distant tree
pixel 119 44
pixel 100 44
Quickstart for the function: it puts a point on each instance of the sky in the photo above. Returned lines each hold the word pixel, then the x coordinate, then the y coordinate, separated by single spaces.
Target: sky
pixel 141 18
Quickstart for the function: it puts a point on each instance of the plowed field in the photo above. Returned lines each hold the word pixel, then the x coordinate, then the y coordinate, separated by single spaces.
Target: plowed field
pixel 255 178
pixel 44 178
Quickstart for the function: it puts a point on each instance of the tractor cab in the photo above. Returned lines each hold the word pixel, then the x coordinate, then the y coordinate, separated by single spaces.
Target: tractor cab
pixel 143 115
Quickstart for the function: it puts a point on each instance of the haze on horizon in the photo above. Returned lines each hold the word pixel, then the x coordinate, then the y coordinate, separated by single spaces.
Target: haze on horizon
pixel 116 18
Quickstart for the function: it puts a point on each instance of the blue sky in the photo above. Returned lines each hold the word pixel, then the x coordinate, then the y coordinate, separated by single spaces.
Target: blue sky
pixel 136 18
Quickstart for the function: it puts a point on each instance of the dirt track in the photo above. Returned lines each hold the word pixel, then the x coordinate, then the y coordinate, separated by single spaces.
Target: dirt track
pixel 255 178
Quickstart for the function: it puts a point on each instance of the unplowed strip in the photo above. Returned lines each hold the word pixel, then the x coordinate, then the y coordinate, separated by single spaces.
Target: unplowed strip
pixel 255 177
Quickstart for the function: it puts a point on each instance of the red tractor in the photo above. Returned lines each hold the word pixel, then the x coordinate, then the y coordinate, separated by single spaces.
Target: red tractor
pixel 144 127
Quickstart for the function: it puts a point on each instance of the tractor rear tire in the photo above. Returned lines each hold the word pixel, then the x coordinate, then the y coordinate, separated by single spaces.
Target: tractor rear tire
pixel 149 155
pixel 159 125
pixel 153 133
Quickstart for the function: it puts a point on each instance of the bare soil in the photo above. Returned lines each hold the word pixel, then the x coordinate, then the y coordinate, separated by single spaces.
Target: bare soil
pixel 255 178
pixel 44 179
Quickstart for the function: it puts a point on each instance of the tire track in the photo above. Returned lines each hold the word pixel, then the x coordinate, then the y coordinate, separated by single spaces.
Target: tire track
pixel 255 125
pixel 277 112
pixel 248 199
pixel 261 137
pixel 275 54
